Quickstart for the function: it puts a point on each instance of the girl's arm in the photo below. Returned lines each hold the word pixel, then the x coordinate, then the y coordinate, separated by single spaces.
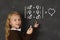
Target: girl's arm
pixel 14 36
pixel 30 30
pixel 28 34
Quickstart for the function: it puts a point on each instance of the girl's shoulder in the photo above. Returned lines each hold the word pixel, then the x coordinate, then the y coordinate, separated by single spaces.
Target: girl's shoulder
pixel 14 35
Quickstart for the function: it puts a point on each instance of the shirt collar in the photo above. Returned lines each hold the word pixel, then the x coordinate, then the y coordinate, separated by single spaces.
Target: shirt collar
pixel 16 29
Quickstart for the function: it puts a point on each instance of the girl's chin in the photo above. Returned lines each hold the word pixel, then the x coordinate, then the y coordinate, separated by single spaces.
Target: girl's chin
pixel 17 26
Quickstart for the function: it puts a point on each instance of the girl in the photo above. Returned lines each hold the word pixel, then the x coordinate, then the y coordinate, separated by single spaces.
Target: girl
pixel 13 27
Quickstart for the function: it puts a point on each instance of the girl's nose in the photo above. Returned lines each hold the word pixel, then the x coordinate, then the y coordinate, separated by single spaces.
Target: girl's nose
pixel 18 21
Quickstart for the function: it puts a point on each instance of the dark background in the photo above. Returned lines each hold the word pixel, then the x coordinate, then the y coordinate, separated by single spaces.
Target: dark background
pixel 49 28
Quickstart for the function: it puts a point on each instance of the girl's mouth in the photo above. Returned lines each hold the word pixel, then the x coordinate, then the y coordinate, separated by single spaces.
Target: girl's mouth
pixel 17 24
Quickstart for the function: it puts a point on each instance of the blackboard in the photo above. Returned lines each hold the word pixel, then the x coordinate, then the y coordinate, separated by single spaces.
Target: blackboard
pixel 49 20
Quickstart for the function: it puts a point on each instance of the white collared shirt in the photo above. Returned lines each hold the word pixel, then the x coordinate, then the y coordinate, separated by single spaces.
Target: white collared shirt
pixel 16 29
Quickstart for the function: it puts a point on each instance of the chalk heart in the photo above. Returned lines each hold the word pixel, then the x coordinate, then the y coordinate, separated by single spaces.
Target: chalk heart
pixel 51 11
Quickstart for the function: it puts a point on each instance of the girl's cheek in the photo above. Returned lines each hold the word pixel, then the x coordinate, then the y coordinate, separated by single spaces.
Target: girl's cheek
pixel 20 22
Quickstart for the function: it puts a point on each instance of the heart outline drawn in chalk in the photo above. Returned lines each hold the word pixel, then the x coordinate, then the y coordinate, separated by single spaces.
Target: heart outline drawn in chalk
pixel 51 10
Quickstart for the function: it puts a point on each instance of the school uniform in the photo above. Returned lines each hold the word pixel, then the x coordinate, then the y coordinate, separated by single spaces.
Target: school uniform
pixel 15 34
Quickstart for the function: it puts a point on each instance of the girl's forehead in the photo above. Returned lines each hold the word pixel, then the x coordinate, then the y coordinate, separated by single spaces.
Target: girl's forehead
pixel 15 16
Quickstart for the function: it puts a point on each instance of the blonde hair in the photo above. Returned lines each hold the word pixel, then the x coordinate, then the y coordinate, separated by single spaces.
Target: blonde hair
pixel 7 28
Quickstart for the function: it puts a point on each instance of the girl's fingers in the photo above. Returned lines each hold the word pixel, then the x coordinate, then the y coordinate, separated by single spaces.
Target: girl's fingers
pixel 30 30
pixel 36 21
pixel 36 24
pixel 30 26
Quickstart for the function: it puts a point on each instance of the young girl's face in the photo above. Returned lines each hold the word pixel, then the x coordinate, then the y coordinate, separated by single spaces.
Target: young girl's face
pixel 15 21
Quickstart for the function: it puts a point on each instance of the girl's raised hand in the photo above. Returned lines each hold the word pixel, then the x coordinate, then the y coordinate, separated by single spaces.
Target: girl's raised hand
pixel 36 25
pixel 30 30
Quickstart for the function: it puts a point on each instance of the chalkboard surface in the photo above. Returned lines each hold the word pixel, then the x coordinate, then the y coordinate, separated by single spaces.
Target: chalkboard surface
pixel 48 11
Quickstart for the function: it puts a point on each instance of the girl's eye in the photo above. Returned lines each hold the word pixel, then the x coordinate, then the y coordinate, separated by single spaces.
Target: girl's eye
pixel 14 19
pixel 18 19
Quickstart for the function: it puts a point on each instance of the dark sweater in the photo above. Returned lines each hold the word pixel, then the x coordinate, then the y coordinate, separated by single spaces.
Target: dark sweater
pixel 17 35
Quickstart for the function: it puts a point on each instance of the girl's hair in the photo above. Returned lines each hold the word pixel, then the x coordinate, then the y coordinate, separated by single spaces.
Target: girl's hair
pixel 7 28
